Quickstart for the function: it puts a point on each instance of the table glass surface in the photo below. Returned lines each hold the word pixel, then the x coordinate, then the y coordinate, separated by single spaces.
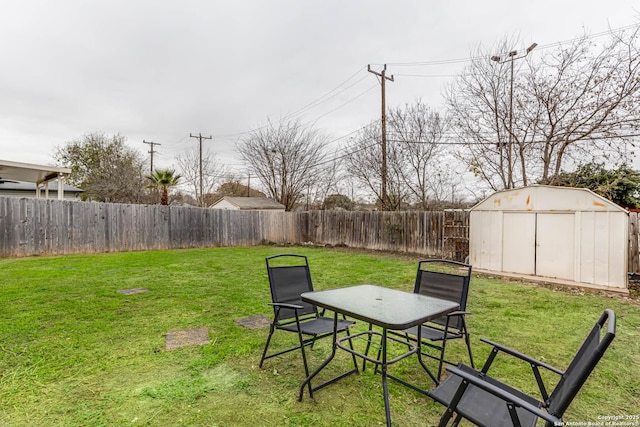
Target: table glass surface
pixel 388 308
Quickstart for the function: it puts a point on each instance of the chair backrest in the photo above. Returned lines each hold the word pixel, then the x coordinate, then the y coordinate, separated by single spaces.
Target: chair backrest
pixel 289 276
pixel 582 364
pixel 444 279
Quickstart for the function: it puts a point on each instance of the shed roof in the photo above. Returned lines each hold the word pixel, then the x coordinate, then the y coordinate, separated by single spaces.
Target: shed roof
pixel 248 203
pixel 547 198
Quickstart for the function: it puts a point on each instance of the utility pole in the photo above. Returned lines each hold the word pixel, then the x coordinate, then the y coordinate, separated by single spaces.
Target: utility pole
pixel 200 138
pixel 383 125
pixel 151 150
pixel 511 56
pixel 249 184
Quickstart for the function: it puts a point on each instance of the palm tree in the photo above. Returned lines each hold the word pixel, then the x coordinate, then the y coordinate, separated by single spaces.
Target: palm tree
pixel 164 178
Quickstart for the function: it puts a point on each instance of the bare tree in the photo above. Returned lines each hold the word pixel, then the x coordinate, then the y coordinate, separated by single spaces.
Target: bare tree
pixel 415 136
pixel 571 103
pixel 478 102
pixel 287 158
pixel 327 182
pixel 212 171
pixel 588 103
pixel 363 163
pixel 418 131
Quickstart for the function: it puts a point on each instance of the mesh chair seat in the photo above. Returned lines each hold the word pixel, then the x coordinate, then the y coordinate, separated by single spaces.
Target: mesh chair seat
pixel 481 407
pixel 433 334
pixel 317 326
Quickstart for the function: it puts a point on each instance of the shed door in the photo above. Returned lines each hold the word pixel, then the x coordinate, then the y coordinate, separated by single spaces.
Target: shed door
pixel 519 242
pixel 555 239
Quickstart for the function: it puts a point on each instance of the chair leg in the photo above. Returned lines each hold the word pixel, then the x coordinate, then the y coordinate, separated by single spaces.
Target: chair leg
pixel 469 348
pixel 444 345
pixel 266 346
pixel 353 355
pixel 366 350
pixel 375 370
pixel 441 361
pixel 453 404
pixel 304 358
pixel 467 341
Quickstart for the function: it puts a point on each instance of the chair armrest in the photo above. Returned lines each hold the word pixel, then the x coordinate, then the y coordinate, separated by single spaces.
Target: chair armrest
pixel 502 394
pixel 285 305
pixel 458 313
pixel 522 356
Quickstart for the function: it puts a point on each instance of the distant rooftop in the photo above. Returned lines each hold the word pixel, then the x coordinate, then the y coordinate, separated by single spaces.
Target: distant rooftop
pixel 39 175
pixel 249 203
pixel 29 172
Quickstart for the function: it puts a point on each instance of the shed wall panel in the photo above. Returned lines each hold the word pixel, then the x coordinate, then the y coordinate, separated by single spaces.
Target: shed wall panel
pixel 486 250
pixel 555 245
pixel 519 242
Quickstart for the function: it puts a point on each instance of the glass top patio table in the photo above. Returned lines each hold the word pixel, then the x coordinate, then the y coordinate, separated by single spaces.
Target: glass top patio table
pixel 384 307
pixel 387 308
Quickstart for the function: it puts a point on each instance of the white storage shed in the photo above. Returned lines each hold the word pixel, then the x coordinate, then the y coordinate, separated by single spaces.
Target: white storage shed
pixel 562 233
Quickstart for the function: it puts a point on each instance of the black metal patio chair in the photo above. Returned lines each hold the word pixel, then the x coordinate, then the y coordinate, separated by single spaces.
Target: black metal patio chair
pixel 447 280
pixel 487 402
pixel 289 277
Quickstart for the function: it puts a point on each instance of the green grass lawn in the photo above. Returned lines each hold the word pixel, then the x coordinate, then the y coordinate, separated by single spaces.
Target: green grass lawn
pixel 75 352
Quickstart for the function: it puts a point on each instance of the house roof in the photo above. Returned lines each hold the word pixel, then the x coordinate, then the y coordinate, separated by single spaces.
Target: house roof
pixel 247 203
pixel 29 172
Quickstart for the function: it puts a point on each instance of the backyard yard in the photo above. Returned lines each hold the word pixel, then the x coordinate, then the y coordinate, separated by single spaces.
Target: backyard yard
pixel 74 351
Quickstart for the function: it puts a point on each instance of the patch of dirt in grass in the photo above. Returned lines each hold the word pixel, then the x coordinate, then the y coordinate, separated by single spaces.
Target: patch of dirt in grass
pixel 254 322
pixel 186 337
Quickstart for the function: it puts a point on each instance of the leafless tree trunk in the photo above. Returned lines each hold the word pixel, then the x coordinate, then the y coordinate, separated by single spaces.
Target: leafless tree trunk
pixel 418 131
pixel 287 158
pixel 212 172
pixel 363 163
pixel 414 144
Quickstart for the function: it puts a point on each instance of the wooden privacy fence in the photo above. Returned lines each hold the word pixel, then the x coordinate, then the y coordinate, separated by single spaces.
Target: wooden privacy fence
pixel 50 227
pixel 53 227
pixel 634 240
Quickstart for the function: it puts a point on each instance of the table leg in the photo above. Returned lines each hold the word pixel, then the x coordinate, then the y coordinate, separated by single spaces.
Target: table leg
pixel 366 351
pixel 383 366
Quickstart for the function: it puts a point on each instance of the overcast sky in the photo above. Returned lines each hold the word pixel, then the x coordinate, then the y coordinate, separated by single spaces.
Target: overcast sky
pixel 160 70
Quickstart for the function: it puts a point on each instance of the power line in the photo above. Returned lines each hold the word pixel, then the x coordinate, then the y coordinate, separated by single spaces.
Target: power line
pixel 546 46
pixel 342 105
pixel 326 96
pixel 318 101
